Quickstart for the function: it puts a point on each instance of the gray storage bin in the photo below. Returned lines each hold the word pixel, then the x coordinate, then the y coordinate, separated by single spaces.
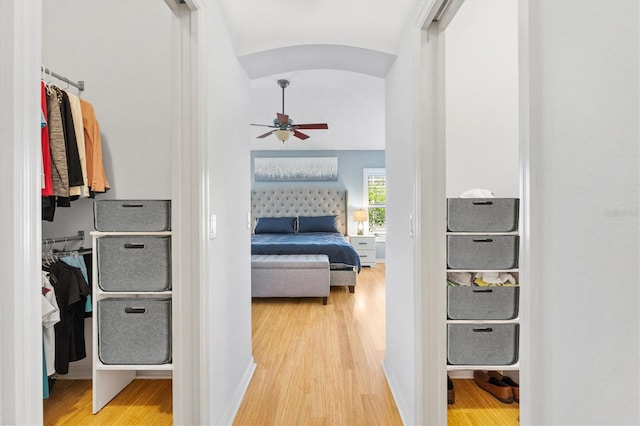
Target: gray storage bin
pixel 482 344
pixel 134 263
pixel 482 214
pixel 134 331
pixel 482 303
pixel 482 252
pixel 132 215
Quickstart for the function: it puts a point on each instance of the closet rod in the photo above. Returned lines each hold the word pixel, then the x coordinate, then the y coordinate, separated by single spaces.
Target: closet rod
pixel 78 237
pixel 79 84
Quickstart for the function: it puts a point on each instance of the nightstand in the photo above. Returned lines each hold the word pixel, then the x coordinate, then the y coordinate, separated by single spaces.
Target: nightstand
pixel 365 246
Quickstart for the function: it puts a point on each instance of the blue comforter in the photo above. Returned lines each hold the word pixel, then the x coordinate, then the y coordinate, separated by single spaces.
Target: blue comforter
pixel 334 245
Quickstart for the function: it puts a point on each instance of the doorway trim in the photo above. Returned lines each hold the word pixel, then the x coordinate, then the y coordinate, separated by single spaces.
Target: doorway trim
pixel 431 211
pixel 21 350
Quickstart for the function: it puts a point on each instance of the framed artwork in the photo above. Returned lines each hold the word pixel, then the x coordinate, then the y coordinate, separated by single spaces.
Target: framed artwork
pixel 291 169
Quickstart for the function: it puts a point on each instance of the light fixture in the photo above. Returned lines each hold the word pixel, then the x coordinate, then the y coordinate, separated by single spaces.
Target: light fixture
pixel 360 216
pixel 283 135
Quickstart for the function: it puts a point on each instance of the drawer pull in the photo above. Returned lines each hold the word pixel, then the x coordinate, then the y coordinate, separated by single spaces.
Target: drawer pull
pixel 363 244
pixel 134 310
pixel 483 203
pixel 134 246
pixel 133 205
pixel 482 330
pixel 482 290
pixel 482 240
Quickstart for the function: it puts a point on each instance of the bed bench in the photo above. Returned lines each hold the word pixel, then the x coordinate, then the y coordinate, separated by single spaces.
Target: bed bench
pixel 299 275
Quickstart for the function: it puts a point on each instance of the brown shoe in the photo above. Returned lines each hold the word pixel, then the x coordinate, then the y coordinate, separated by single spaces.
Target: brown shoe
pixel 515 388
pixel 451 392
pixel 499 390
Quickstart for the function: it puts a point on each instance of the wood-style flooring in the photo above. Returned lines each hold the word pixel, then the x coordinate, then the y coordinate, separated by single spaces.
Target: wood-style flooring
pixel 316 365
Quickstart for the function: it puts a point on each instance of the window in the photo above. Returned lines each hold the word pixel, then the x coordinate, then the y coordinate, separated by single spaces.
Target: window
pixel 375 186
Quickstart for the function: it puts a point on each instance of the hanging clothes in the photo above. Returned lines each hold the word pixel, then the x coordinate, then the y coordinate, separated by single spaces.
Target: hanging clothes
pixel 59 171
pixel 50 317
pixel 47 185
pixel 97 179
pixel 71 294
pixel 76 113
pixel 77 261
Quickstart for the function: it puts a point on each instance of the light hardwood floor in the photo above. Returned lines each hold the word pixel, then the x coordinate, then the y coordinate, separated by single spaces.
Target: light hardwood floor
pixel 321 365
pixel 316 365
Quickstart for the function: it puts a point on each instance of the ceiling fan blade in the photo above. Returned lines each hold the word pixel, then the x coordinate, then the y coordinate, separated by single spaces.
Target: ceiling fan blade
pixel 300 135
pixel 264 125
pixel 311 126
pixel 283 118
pixel 266 134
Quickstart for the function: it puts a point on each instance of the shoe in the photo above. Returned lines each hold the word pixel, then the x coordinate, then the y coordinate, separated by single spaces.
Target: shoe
pixel 515 388
pixel 502 392
pixel 451 393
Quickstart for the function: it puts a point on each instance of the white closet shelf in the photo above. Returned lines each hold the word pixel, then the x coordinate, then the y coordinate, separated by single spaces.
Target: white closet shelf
pixel 515 366
pixel 483 233
pixel 484 270
pixel 103 233
pixel 139 294
pixel 511 321
pixel 158 367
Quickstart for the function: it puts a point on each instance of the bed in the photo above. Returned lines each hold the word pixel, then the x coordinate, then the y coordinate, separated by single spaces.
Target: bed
pixel 301 218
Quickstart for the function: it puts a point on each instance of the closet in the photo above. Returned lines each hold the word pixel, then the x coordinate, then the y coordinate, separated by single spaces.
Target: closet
pixel 483 231
pixel 125 73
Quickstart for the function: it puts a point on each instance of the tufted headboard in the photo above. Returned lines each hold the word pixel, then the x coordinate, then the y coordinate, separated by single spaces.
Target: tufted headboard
pixel 296 201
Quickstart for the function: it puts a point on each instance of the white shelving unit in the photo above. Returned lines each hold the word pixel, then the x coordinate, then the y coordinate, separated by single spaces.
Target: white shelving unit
pixel 109 379
pixel 516 320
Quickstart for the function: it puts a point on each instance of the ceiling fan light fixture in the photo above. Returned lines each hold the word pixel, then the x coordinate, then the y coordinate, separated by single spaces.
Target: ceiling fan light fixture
pixel 283 135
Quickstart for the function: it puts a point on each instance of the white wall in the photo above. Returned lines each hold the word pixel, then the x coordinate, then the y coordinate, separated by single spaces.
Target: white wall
pixel 126 69
pixel 585 227
pixel 352 104
pixel 127 80
pixel 227 334
pixel 481 89
pixel 400 362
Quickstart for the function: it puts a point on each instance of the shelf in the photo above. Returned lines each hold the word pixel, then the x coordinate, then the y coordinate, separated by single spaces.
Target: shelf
pixel 483 233
pixel 484 270
pixel 103 233
pixel 515 366
pixel 140 294
pixel 511 321
pixel 163 367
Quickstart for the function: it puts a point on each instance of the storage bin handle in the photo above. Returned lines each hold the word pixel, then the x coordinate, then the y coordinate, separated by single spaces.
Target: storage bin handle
pixel 134 310
pixel 482 329
pixel 132 205
pixel 482 240
pixel 482 290
pixel 134 246
pixel 482 203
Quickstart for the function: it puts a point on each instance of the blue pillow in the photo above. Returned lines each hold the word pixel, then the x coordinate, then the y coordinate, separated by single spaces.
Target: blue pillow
pixel 276 225
pixel 318 224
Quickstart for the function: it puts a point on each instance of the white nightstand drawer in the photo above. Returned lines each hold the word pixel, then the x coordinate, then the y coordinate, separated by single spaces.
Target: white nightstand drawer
pixel 363 242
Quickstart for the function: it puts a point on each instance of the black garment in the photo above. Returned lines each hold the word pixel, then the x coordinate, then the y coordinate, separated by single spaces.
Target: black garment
pixel 88 262
pixel 71 143
pixel 48 208
pixel 71 294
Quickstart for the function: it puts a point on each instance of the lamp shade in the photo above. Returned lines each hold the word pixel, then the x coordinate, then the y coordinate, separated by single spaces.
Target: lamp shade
pixel 360 215
pixel 283 135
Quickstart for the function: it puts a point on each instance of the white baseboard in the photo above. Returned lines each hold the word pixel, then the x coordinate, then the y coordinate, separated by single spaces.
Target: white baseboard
pixel 405 415
pixel 238 395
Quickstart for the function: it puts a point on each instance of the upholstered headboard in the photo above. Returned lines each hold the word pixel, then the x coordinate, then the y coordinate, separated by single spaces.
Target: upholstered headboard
pixel 300 201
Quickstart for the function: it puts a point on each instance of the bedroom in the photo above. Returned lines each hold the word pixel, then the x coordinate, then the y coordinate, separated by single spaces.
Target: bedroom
pixel 230 89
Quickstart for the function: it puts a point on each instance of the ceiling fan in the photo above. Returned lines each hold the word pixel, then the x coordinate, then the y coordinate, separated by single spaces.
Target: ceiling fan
pixel 284 127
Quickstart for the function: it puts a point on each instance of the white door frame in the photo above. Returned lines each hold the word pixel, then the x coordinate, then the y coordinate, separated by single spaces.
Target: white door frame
pixel 21 372
pixel 189 201
pixel 430 256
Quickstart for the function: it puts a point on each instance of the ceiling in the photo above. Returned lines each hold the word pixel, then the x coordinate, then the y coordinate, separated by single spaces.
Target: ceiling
pixel 370 30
